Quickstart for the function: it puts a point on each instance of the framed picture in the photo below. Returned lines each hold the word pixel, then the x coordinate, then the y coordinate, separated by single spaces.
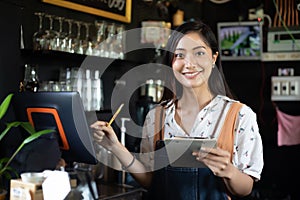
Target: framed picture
pixel 119 10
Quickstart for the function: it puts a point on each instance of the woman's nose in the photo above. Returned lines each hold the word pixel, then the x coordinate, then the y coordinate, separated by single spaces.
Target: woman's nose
pixel 190 60
pixel 190 64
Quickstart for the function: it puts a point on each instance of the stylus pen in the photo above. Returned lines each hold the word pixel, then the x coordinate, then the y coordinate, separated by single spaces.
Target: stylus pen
pixel 115 115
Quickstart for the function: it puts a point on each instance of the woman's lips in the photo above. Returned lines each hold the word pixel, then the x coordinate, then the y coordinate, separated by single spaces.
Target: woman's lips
pixel 191 75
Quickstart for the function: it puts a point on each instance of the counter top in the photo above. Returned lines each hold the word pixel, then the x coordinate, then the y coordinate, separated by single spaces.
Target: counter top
pixel 114 191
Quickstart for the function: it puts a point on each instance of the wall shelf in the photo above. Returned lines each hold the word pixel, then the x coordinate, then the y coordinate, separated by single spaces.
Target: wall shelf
pixel 280 56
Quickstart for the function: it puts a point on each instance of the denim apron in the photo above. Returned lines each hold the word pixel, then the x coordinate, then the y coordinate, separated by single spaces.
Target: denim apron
pixel 176 183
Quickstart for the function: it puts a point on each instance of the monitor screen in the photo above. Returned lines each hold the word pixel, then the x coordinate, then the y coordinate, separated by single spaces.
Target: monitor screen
pixel 63 112
pixel 240 40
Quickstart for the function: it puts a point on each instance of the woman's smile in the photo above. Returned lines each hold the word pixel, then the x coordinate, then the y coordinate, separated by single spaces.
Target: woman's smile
pixel 192 74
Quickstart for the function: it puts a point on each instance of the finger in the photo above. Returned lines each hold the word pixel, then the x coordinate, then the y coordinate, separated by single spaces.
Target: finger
pixel 217 161
pixel 200 154
pixel 99 140
pixel 99 133
pixel 210 150
pixel 102 128
pixel 216 151
pixel 98 136
pixel 97 124
pixel 218 165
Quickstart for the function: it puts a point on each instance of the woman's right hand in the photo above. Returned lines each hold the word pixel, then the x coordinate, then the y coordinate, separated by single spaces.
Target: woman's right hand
pixel 104 135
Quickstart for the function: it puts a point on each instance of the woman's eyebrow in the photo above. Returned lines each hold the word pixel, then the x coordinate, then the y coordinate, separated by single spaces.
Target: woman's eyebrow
pixel 195 48
pixel 199 47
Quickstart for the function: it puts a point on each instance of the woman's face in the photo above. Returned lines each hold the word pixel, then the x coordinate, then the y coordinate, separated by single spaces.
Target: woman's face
pixel 193 61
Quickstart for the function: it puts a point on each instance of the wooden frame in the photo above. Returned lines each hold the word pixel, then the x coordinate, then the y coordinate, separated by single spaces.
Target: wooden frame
pixel 75 5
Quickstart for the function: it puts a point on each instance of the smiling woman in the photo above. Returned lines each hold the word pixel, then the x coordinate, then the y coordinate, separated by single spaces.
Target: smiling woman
pixel 196 103
pixel 119 10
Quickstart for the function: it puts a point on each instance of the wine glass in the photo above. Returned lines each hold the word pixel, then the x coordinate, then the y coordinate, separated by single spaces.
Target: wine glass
pixel 59 40
pixel 87 43
pixel 78 41
pixel 163 38
pixel 70 38
pixel 109 50
pixel 51 34
pixel 39 36
pixel 101 35
pixel 120 42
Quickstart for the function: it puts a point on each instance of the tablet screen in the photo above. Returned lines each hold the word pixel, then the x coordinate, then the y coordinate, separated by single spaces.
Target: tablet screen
pixel 179 150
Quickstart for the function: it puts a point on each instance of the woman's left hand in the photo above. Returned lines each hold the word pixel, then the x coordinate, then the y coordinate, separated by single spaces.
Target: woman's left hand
pixel 216 159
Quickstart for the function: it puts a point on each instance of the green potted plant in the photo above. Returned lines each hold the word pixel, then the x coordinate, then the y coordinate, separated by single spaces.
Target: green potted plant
pixel 5 170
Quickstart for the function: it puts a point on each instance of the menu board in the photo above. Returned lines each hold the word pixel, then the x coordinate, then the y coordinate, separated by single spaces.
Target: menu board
pixel 119 10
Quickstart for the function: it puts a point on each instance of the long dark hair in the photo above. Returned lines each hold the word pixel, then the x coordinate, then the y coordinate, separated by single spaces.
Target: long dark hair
pixel 216 82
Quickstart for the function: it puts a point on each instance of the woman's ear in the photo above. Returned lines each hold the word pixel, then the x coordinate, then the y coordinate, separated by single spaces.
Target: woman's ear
pixel 215 56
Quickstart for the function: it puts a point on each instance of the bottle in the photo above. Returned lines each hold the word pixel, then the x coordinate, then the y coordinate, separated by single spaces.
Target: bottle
pixel 97 91
pixel 87 90
pixel 31 80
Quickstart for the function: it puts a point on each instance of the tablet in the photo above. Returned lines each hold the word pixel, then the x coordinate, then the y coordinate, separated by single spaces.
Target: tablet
pixel 179 150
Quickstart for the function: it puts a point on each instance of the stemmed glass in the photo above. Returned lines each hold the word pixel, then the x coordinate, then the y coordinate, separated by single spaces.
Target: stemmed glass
pixel 78 41
pixel 59 40
pixel 51 34
pixel 87 44
pixel 39 36
pixel 70 38
pixel 109 50
pixel 120 42
pixel 101 35
pixel 160 44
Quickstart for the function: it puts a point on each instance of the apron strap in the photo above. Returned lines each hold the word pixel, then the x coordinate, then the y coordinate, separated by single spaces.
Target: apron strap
pixel 159 124
pixel 226 136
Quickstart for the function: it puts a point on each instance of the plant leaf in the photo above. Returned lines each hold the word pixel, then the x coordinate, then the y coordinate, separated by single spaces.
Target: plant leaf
pixel 13 124
pixel 4 132
pixel 3 167
pixel 4 105
pixel 8 127
pixel 36 135
pixel 28 127
pixel 27 140
pixel 3 161
pixel 7 171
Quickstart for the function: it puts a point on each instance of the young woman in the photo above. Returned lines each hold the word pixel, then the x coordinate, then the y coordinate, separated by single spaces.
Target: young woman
pixel 195 104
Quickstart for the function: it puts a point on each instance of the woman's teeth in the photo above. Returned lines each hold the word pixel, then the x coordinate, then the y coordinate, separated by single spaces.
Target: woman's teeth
pixel 190 74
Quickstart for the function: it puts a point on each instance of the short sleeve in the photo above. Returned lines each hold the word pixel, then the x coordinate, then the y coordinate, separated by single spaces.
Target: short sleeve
pixel 248 148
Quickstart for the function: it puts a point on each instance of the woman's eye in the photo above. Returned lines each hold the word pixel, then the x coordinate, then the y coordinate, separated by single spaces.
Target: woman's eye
pixel 178 55
pixel 199 53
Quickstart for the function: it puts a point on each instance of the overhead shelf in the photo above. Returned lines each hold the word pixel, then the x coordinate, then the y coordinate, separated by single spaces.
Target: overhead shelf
pixel 280 56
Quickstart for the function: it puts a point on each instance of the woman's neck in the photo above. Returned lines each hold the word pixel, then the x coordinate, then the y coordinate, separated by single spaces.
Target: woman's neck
pixel 192 99
pixel 188 107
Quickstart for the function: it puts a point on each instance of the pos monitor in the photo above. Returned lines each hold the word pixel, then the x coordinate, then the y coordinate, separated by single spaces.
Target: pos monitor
pixel 240 40
pixel 63 112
